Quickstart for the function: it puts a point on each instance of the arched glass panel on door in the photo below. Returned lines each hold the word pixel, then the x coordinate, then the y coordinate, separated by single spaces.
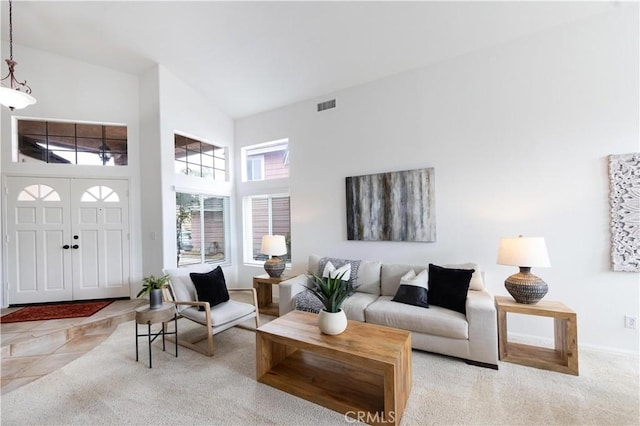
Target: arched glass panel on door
pixel 100 193
pixel 38 192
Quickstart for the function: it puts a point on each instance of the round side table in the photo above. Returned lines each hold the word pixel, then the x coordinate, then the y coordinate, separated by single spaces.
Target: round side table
pixel 164 314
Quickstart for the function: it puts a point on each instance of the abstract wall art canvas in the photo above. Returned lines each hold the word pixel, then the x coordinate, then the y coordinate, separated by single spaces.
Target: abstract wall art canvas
pixel 624 197
pixel 394 206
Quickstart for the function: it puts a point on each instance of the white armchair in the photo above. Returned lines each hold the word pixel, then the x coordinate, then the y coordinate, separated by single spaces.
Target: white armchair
pixel 217 318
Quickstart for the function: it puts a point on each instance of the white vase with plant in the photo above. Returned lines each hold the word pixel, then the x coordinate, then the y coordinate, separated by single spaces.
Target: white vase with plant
pixel 332 292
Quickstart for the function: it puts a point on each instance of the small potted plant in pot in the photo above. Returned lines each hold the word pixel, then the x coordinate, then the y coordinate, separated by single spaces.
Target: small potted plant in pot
pixel 152 286
pixel 332 292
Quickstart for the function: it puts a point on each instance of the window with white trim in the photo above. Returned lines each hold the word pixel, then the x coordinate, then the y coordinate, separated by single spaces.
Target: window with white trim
pixel 200 159
pixel 265 161
pixel 265 215
pixel 202 230
pixel 73 143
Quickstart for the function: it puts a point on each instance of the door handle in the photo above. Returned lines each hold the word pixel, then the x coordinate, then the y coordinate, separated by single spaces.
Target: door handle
pixel 75 246
pixel 66 246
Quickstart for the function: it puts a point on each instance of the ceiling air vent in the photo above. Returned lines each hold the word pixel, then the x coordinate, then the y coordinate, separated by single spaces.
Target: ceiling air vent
pixel 326 105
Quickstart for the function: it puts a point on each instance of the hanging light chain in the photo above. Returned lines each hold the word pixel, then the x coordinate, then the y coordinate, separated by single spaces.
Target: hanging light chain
pixel 11 30
pixel 13 82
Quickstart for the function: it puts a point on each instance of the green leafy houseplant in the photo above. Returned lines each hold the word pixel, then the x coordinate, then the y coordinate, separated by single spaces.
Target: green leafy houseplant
pixel 152 283
pixel 332 292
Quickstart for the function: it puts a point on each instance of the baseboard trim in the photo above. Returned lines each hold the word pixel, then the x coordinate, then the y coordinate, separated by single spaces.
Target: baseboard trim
pixel 481 364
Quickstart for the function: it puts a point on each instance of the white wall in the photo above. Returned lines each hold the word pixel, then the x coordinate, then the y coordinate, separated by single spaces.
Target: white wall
pixel 184 110
pixel 518 135
pixel 151 177
pixel 67 89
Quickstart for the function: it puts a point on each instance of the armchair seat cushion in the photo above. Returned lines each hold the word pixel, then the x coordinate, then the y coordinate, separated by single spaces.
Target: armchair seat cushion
pixel 435 321
pixel 221 314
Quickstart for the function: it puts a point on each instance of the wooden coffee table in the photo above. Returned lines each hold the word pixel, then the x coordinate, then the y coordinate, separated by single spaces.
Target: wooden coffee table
pixel 365 372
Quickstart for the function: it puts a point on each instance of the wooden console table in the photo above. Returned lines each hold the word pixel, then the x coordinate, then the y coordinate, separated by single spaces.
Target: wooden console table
pixel 365 372
pixel 264 289
pixel 563 358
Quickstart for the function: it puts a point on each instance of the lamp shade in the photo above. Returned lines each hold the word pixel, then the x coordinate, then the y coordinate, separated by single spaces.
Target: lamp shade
pixel 273 245
pixel 523 251
pixel 15 99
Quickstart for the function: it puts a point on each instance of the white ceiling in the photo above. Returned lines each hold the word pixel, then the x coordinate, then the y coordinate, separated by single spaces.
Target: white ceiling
pixel 250 57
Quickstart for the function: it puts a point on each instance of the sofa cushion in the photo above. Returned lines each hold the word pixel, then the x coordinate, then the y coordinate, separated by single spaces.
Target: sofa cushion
pixel 355 305
pixel 477 283
pixel 369 277
pixel 413 289
pixel 390 275
pixel 436 321
pixel 448 287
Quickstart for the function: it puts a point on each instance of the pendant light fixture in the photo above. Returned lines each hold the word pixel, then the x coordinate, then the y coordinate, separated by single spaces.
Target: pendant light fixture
pixel 17 95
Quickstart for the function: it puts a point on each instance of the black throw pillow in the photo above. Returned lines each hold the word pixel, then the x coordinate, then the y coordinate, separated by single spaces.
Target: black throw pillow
pixel 448 287
pixel 413 291
pixel 211 287
pixel 412 295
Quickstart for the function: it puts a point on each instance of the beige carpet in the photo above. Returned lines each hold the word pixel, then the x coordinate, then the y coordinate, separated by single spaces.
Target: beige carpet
pixel 107 386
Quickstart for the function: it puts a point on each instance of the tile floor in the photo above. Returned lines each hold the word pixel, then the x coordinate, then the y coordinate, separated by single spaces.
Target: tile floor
pixel 33 349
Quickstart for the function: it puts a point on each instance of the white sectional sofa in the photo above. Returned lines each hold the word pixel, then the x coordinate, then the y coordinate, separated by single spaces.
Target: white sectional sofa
pixel 472 336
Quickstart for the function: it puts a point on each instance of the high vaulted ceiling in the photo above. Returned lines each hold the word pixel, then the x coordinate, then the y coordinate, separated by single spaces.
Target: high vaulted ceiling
pixel 249 57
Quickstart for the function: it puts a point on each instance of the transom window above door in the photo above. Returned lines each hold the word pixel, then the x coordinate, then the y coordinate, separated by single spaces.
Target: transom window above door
pixel 71 143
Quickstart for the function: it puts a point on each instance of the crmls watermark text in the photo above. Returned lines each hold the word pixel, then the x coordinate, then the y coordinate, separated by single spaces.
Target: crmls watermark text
pixel 379 417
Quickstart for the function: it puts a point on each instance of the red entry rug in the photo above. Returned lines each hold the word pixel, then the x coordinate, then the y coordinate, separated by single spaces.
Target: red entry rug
pixel 55 311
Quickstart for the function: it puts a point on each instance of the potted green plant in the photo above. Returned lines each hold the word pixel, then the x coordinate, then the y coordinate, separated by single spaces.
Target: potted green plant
pixel 332 292
pixel 152 286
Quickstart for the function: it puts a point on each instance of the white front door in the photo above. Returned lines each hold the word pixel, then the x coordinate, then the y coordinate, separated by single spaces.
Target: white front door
pixel 67 239
pixel 100 240
pixel 38 230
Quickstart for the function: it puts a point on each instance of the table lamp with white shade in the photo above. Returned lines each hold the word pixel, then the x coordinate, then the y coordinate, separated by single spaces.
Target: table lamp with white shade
pixel 525 253
pixel 274 246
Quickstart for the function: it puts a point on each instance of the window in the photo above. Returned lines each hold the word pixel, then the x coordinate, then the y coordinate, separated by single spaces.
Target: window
pixel 38 192
pixel 255 167
pixel 100 193
pixel 265 161
pixel 71 143
pixel 266 215
pixel 201 228
pixel 196 158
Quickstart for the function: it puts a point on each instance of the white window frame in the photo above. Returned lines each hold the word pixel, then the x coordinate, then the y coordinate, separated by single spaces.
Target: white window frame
pixel 257 149
pixel 247 234
pixel 259 160
pixel 227 226
pixel 224 171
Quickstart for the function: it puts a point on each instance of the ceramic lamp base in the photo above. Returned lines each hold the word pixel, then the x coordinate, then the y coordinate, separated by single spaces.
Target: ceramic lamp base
pixel 274 267
pixel 525 287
